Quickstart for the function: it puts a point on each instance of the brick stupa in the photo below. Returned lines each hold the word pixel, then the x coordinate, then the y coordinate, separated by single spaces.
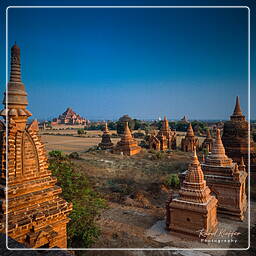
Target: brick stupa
pixel 165 139
pixel 194 209
pixel 127 145
pixel 190 141
pixel 208 142
pixel 226 180
pixel 37 216
pixel 106 142
pixel 235 138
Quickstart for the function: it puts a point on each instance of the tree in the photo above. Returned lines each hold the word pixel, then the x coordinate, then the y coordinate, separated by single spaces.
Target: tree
pixel 121 122
pixel 87 204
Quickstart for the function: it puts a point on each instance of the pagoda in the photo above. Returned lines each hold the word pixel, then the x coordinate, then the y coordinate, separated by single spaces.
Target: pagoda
pixel 69 117
pixel 208 142
pixel 190 141
pixel 37 216
pixel 235 138
pixel 227 181
pixel 127 145
pixel 165 139
pixel 105 139
pixel 194 209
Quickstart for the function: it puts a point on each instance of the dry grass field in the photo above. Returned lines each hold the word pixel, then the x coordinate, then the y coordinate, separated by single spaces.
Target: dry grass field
pixel 135 188
pixel 68 141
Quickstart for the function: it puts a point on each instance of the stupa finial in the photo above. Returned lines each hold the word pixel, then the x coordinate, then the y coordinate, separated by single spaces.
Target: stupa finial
pixel 237 110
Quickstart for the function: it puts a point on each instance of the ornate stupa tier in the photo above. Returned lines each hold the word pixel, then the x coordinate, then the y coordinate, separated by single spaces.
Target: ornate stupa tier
pixel 15 105
pixel 218 156
pixel 194 187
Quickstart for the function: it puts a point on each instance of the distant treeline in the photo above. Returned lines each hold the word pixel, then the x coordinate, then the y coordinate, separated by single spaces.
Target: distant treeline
pixel 147 126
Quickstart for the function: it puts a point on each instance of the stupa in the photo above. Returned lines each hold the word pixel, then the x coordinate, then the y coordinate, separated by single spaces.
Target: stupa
pixel 106 139
pixel 165 139
pixel 37 216
pixel 208 142
pixel 194 209
pixel 127 145
pixel 226 180
pixel 235 138
pixel 190 141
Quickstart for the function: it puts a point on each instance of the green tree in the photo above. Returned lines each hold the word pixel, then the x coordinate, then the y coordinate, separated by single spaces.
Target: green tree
pixel 172 181
pixel 87 204
pixel 121 122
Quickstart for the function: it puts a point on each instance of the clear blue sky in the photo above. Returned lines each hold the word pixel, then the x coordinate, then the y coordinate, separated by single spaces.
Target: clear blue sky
pixel 147 63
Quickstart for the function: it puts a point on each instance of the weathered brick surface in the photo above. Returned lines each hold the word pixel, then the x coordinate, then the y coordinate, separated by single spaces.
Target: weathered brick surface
pixel 165 139
pixel 190 141
pixel 106 142
pixel 235 138
pixel 208 142
pixel 227 181
pixel 194 208
pixel 127 145
pixel 36 215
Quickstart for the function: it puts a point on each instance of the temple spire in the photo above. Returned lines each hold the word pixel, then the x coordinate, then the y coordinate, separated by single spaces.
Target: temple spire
pixel 237 110
pixel 190 131
pixel 165 125
pixel 15 75
pixel 237 114
pixel 105 129
pixel 209 136
pixel 17 96
pixel 127 132
pixel 218 149
pixel 195 158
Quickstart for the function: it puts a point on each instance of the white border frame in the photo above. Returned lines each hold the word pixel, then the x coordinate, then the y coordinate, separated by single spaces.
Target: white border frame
pixel 249 120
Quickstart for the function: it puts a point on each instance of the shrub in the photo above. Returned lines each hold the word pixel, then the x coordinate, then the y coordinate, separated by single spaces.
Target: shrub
pixel 143 144
pixel 74 155
pixel 172 181
pixel 138 135
pixel 82 229
pixel 81 131
pixel 57 154
pixel 158 155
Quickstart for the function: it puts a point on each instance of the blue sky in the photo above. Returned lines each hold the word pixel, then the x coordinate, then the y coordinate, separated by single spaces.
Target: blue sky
pixel 143 62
